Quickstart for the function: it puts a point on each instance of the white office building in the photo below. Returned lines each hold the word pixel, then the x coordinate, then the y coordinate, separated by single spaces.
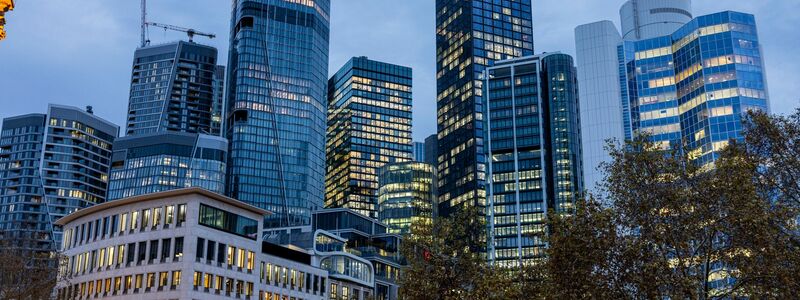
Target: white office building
pixel 180 244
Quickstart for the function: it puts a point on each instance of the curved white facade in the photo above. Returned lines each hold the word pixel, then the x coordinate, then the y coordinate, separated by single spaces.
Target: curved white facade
pixel 644 19
pixel 601 106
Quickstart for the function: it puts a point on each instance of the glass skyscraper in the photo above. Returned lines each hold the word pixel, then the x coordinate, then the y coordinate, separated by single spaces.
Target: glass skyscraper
pixel 51 165
pixel 692 87
pixel 369 125
pixel 173 89
pixel 150 163
pixel 470 34
pixel 407 194
pixel 533 151
pixel 276 106
pixel 219 101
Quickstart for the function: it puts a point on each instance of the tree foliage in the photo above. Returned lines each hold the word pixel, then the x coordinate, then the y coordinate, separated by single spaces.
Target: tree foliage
pixel 666 227
pixel 27 274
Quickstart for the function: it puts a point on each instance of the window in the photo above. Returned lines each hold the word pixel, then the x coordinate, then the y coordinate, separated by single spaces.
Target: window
pixel 345 293
pixel 117 283
pixel 153 250
pixel 176 278
pixel 218 283
pixel 169 215
pixel 131 253
pixel 221 253
pixel 201 243
pixel 165 245
pixel 231 253
pixel 240 258
pixel 178 253
pixel 210 250
pixel 196 278
pixel 207 279
pixel 134 219
pixel 138 283
pixel 142 251
pixel 145 218
pixel 163 278
pixel 110 252
pixel 228 222
pixel 120 254
pixel 151 279
pixel 123 223
pixel 181 214
pixel 156 216
pixel 251 260
pixel 334 290
pixel 128 282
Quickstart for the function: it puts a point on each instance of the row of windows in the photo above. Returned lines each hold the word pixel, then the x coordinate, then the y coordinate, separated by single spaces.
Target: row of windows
pixel 122 285
pixel 115 255
pixel 291 278
pixel 110 226
pixel 225 254
pixel 220 284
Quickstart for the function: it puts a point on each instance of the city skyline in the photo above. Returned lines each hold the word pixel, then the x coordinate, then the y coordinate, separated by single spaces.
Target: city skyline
pixel 411 42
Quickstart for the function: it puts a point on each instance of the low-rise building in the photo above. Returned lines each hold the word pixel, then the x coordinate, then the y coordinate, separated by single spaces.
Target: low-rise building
pixel 180 244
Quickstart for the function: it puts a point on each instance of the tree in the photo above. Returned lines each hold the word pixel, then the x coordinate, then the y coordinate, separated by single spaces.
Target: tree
pixel 27 274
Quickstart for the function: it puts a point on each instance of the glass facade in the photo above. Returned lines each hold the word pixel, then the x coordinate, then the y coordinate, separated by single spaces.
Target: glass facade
pixel 418 152
pixel 51 165
pixel 692 87
pixel 369 125
pixel 406 194
pixel 533 150
pixel 219 100
pixel 470 35
pixel 276 106
pixel 173 89
pixel 151 163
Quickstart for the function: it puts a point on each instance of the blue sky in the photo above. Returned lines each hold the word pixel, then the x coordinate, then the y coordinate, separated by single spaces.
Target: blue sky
pixel 79 52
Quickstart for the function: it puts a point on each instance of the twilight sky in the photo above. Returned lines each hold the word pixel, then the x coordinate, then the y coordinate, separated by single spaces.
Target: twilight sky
pixel 80 52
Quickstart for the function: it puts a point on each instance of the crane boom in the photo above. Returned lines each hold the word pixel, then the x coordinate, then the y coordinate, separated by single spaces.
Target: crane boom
pixel 190 32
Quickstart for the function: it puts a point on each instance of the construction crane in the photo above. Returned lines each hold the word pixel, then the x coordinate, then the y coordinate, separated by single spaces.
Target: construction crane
pixel 190 32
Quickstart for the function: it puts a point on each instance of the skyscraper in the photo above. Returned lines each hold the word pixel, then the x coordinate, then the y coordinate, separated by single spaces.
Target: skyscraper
pixel 157 162
pixel 431 150
pixel 407 194
pixel 51 165
pixel 692 87
pixel 276 106
pixel 369 125
pixel 534 151
pixel 418 151
pixel 219 101
pixel 470 35
pixel 599 51
pixel 172 89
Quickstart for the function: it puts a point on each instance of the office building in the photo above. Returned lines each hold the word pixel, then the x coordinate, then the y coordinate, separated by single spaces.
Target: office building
pixel 691 88
pixel 172 89
pixel 418 151
pixel 276 106
pixel 369 125
pixel 362 257
pixel 51 165
pixel 407 194
pixel 219 101
pixel 470 35
pixel 431 146
pixel 156 162
pixel 599 51
pixel 533 150
pixel 180 244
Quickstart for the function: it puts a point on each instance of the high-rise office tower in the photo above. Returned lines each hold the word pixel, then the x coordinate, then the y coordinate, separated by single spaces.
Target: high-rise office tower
pixel 172 89
pixel 276 106
pixel 217 110
pixel 418 151
pixel 157 162
pixel 431 150
pixel 599 52
pixel 369 125
pixel 51 165
pixel 470 35
pixel 533 151
pixel 407 194
pixel 692 87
